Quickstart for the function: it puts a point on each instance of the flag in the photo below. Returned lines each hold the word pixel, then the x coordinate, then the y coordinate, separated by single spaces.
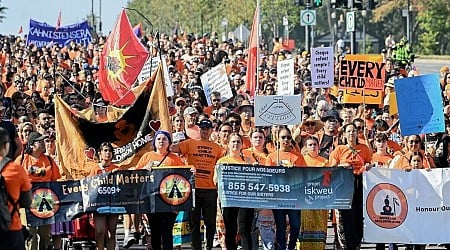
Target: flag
pixel 121 61
pixel 58 21
pixel 20 30
pixel 252 60
pixel 130 130
pixel 137 29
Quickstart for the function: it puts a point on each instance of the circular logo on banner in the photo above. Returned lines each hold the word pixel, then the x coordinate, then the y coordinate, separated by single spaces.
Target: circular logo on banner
pixel 45 203
pixel 175 189
pixel 386 206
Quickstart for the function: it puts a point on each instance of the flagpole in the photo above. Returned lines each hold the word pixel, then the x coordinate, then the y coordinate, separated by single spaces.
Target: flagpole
pixel 258 30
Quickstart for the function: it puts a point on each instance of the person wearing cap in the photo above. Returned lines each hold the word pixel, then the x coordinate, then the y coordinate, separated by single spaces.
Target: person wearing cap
pixel 203 155
pixel 180 105
pixel 328 136
pixel 161 223
pixel 246 110
pixel 309 127
pixel 40 168
pixel 100 111
pixel 190 117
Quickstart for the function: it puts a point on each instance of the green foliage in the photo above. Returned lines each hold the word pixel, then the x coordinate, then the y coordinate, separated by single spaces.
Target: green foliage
pixel 2 12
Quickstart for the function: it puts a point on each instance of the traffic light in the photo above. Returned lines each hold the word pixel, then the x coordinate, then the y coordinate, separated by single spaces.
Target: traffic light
pixel 358 4
pixel 372 4
pixel 337 4
pixel 317 3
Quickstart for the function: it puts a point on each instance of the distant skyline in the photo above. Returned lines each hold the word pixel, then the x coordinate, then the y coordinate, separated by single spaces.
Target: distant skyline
pixel 19 13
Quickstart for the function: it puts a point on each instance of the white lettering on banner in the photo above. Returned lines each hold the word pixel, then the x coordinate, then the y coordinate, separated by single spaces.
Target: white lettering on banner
pixel 125 151
pixel 402 206
pixel 322 67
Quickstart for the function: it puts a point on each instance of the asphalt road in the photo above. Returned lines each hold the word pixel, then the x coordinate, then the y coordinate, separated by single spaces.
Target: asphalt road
pixel 429 66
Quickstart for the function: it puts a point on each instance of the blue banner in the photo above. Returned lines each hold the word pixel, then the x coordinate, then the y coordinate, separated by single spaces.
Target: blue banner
pixel 284 188
pixel 41 34
pixel 121 192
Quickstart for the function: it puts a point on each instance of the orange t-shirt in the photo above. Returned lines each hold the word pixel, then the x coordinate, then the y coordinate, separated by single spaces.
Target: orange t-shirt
pixel 154 159
pixel 287 159
pixel 203 155
pixel 401 160
pixel 96 170
pixel 343 154
pixel 382 160
pixel 255 155
pixel 43 163
pixel 318 161
pixel 17 181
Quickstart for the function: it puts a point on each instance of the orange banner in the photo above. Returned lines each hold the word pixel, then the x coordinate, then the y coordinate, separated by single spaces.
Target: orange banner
pixel 359 96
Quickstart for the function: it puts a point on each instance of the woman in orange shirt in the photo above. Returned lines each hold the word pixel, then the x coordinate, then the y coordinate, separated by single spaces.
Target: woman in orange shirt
pixel 381 158
pixel 105 224
pixel 285 156
pixel 232 216
pixel 412 147
pixel 161 223
pixel 355 156
pixel 314 222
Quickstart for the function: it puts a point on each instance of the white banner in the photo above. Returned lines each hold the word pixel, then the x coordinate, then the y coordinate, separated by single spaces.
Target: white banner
pixel 407 207
pixel 285 73
pixel 149 67
pixel 322 67
pixel 216 79
pixel 278 110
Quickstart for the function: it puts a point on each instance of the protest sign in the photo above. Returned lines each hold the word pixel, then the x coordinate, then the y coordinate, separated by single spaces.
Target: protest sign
pixel 150 66
pixel 41 34
pixel 277 110
pixel 361 75
pixel 285 73
pixel 406 207
pixel 419 105
pixel 322 67
pixel 284 188
pixel 216 79
pixel 122 192
pixel 365 57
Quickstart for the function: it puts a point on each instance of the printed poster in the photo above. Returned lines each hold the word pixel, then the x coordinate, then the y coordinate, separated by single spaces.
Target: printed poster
pixel 285 73
pixel 216 79
pixel 322 67
pixel 277 110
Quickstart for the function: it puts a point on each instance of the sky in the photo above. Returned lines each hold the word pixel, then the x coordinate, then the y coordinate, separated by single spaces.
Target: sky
pixel 19 13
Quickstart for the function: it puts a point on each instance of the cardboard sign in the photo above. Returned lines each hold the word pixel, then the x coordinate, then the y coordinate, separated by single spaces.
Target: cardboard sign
pixel 216 79
pixel 285 71
pixel 359 96
pixel 322 67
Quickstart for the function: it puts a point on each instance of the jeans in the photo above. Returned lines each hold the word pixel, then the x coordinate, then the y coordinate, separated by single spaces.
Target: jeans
pixel 206 207
pixel 294 224
pixel 161 225
pixel 232 216
pixel 12 240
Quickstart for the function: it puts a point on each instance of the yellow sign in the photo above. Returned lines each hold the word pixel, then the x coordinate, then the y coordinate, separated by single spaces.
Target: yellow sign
pixel 360 96
pixel 365 57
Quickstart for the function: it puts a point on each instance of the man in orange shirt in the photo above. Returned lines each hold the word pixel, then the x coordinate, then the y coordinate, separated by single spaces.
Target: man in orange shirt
pixel 203 155
pixel 18 187
pixel 40 168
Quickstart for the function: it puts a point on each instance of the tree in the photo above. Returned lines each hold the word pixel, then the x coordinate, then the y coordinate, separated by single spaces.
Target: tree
pixel 2 12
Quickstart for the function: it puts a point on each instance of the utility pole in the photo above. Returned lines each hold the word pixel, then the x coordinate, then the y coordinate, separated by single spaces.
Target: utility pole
pixel 353 33
pixel 307 46
pixel 408 21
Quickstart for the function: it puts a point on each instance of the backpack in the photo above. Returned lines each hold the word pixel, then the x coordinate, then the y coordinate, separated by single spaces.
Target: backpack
pixel 5 198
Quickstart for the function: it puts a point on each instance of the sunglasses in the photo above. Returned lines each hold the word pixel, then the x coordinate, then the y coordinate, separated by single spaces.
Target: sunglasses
pixel 216 100
pixel 49 140
pixel 310 124
pixel 360 128
pixel 269 89
pixel 21 109
pixel 180 104
pixel 286 137
pixel 225 131
pixel 27 131
pixel 414 141
pixel 380 140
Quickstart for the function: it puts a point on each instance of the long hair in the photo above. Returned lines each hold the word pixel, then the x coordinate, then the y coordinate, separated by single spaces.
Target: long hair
pixel 240 138
pixel 260 130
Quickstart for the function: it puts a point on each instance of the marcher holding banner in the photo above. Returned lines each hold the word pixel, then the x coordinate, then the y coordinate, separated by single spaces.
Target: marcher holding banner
pixel 285 156
pixel 355 156
pixel 412 147
pixel 105 224
pixel 314 222
pixel 161 224
pixel 41 168
pixel 203 155
pixel 235 216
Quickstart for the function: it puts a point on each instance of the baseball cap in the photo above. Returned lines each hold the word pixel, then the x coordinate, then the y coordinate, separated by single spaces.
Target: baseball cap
pixel 34 137
pixel 190 111
pixel 205 124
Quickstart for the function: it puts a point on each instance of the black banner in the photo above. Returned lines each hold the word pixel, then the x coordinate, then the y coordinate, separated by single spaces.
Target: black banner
pixel 121 192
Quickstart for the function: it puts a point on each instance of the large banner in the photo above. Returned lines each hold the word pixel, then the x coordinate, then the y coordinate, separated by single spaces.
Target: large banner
pixel 41 34
pixel 121 192
pixel 129 130
pixel 407 207
pixel 284 188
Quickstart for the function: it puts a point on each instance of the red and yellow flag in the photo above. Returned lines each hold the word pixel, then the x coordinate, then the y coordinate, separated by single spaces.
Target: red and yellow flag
pixel 122 59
